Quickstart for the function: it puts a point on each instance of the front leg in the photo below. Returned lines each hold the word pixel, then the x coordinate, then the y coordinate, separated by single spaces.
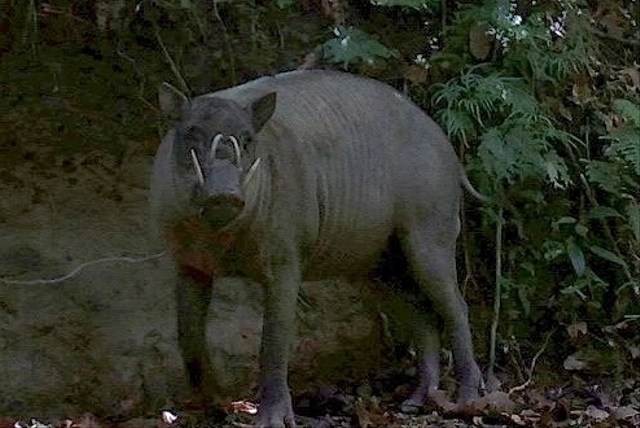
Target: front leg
pixel 193 295
pixel 277 336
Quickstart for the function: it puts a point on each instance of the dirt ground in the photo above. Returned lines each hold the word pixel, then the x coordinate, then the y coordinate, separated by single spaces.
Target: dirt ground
pixel 103 341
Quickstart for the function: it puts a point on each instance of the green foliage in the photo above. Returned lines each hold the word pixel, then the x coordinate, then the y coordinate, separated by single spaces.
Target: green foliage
pixel 351 45
pixel 570 201
pixel 423 5
pixel 625 145
pixel 517 139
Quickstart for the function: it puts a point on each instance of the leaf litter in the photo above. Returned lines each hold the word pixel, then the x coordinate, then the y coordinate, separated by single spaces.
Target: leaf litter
pixel 574 405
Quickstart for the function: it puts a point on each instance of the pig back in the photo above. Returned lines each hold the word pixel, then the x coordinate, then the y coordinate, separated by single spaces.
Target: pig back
pixel 355 157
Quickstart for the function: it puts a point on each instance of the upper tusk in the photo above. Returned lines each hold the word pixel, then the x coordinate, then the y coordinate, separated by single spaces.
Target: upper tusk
pixel 214 145
pixel 197 167
pixel 236 148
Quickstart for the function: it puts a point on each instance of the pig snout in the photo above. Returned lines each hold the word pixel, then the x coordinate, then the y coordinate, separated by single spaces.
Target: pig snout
pixel 220 210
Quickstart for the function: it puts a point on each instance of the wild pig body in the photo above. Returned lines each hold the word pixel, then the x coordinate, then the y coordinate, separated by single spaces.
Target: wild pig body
pixel 343 164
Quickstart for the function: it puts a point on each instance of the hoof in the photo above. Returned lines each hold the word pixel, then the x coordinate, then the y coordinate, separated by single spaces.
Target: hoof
pixel 276 416
pixel 469 393
pixel 410 407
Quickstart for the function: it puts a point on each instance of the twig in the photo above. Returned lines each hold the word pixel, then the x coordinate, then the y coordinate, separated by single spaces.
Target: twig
pixel 465 232
pixel 497 296
pixel 532 367
pixel 126 57
pixel 225 38
pixel 31 13
pixel 81 267
pixel 172 64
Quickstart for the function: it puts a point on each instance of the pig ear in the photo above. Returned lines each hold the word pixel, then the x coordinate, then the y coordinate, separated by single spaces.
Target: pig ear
pixel 262 109
pixel 173 103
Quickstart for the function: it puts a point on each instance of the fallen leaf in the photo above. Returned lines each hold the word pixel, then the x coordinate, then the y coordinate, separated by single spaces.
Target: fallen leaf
pixel 560 411
pixel 518 420
pixel 244 407
pixel 364 419
pixel 168 417
pixel 87 421
pixel 581 91
pixel 371 417
pixel 416 74
pixel 577 330
pixel 546 419
pixel 634 76
pixel 598 414
pixel 574 363
pixel 529 417
pixel 624 413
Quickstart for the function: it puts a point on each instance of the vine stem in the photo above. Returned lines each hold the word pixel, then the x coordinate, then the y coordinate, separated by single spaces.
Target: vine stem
pixel 75 271
pixel 465 231
pixel 497 296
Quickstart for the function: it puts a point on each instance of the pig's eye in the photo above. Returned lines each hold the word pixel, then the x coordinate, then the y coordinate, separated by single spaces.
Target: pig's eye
pixel 245 139
pixel 194 134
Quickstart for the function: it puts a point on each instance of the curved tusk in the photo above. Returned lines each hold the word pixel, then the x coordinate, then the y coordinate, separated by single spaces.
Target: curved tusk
pixel 251 172
pixel 236 148
pixel 197 167
pixel 214 145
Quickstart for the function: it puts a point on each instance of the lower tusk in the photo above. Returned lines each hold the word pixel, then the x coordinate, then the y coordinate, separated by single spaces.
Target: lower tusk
pixel 251 172
pixel 197 167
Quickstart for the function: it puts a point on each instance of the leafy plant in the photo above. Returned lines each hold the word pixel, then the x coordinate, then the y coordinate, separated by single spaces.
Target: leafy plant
pixel 352 45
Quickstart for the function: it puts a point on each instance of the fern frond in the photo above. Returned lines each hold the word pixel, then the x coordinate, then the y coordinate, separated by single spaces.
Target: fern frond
pixel 628 110
pixel 626 145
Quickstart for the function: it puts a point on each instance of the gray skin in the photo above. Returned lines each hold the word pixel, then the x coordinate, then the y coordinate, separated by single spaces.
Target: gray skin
pixel 345 163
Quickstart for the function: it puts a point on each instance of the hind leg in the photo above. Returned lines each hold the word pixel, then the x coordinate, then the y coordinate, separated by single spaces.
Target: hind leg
pixel 427 337
pixel 430 252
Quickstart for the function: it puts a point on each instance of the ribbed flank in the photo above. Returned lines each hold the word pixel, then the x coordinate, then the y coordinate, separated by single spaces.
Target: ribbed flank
pixel 349 150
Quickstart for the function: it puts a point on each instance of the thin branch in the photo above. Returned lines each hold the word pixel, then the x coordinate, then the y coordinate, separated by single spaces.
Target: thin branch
pixel 532 367
pixel 465 231
pixel 497 296
pixel 120 52
pixel 81 267
pixel 225 37
pixel 32 13
pixel 172 64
